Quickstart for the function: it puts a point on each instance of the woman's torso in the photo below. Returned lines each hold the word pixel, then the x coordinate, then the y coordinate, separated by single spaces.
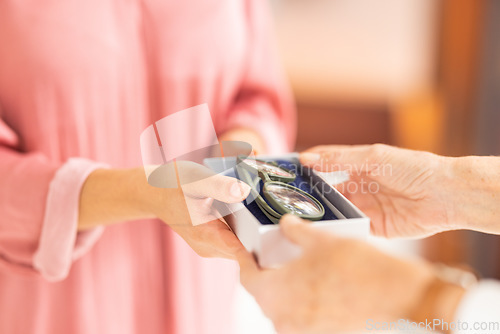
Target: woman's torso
pixel 84 78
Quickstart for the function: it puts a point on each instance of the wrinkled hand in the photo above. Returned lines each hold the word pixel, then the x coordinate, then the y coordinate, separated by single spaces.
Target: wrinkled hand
pixel 405 193
pixel 337 285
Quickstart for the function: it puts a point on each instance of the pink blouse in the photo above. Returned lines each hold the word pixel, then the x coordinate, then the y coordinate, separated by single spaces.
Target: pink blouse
pixel 79 81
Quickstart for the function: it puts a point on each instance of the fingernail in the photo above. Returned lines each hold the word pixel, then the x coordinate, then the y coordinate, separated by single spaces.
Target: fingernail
pixel 308 157
pixel 240 190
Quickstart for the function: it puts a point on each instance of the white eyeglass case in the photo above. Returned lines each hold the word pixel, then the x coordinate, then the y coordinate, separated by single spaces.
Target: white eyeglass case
pixel 264 240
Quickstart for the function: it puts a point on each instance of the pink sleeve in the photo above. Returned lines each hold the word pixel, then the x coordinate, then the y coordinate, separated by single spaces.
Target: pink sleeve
pixel 264 102
pixel 39 203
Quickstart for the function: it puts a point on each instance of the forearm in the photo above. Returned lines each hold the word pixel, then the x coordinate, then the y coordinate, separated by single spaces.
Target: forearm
pixel 114 195
pixel 475 192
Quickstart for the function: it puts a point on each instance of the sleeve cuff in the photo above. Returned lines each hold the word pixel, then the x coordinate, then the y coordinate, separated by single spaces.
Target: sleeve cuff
pixel 60 242
pixel 479 309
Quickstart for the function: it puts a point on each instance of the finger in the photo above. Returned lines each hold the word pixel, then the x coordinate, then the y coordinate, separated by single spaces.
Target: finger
pixel 222 188
pixel 299 232
pixel 338 157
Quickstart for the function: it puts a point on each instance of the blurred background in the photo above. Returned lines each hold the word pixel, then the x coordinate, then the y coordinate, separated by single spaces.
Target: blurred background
pixel 420 74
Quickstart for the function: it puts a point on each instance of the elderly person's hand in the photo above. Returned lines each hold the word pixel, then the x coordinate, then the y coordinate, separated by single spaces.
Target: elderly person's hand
pixel 341 285
pixel 415 194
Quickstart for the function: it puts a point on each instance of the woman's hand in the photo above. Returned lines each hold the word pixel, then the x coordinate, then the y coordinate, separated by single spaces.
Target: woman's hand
pixel 192 213
pixel 340 285
pixel 111 196
pixel 414 194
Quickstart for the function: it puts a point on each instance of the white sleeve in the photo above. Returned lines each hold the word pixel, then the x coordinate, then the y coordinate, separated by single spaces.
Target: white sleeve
pixel 479 310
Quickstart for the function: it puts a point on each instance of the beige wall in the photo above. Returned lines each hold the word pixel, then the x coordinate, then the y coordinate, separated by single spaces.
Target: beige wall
pixel 356 49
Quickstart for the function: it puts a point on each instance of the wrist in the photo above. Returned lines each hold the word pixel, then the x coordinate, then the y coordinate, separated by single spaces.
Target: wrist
pixel 113 195
pixel 138 194
pixel 475 193
pixel 442 296
pixel 439 303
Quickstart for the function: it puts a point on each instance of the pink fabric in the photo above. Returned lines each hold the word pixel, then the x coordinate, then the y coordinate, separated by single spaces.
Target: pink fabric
pixel 83 79
pixel 56 247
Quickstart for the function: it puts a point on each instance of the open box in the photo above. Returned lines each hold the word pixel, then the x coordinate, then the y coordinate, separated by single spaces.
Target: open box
pixel 265 239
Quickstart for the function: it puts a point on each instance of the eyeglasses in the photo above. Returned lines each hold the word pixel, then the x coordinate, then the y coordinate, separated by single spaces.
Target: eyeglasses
pixel 279 197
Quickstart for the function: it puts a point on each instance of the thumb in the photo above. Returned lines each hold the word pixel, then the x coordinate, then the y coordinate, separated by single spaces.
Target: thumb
pixel 299 232
pixel 338 157
pixel 222 188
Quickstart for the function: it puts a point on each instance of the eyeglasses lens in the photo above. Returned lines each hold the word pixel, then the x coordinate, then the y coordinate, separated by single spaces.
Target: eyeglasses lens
pixel 267 168
pixel 293 200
